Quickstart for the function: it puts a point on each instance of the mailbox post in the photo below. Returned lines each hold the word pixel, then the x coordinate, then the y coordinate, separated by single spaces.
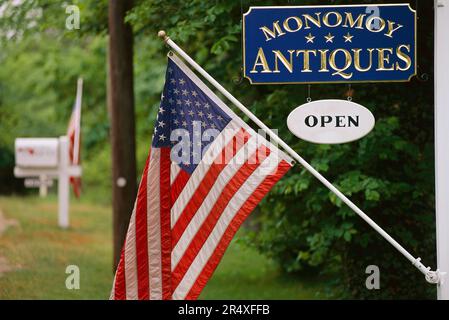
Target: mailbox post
pixel 43 188
pixel 63 183
pixel 49 157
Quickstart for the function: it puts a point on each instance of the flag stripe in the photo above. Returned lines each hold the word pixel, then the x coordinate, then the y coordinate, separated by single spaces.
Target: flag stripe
pixel 142 236
pixel 130 259
pixel 232 228
pixel 231 209
pixel 178 185
pixel 210 220
pixel 166 245
pixel 208 181
pixel 154 226
pixel 174 171
pixel 119 287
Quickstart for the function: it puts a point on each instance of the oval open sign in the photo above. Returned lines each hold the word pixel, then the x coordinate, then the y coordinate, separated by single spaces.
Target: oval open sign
pixel 330 121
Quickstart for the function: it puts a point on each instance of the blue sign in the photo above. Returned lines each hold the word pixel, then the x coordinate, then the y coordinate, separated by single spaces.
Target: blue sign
pixel 319 44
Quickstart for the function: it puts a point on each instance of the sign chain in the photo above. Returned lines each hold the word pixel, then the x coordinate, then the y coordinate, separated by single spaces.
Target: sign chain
pixel 309 99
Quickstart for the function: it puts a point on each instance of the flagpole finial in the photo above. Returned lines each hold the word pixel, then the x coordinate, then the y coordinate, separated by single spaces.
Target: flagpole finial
pixel 163 35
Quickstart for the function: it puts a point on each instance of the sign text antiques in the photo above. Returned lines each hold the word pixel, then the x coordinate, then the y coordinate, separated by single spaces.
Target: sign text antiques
pixel 316 44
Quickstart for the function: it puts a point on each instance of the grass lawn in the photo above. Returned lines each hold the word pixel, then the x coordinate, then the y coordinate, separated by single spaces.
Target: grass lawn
pixel 37 252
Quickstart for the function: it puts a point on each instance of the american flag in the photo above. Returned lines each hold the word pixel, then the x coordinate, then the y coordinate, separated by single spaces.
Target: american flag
pixel 74 135
pixel 206 171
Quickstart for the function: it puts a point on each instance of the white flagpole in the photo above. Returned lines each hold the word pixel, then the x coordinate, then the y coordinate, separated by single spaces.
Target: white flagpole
pixel 442 140
pixel 78 101
pixel 431 276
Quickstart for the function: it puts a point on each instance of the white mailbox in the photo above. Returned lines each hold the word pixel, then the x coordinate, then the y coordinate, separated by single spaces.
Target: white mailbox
pixel 36 152
pixel 46 159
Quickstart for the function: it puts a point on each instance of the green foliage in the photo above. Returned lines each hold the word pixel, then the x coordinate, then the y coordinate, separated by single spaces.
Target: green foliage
pixel 40 65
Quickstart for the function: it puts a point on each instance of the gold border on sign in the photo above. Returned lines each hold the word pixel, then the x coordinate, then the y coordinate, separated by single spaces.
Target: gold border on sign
pixel 332 6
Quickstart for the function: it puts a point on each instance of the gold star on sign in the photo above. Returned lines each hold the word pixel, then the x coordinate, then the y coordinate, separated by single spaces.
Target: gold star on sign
pixel 310 38
pixel 329 38
pixel 348 37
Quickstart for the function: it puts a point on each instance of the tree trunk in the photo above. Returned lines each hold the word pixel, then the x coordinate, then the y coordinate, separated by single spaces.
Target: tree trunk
pixel 121 110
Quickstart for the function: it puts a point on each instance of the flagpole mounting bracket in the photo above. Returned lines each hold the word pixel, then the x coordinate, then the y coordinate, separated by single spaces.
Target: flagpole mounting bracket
pixel 433 277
